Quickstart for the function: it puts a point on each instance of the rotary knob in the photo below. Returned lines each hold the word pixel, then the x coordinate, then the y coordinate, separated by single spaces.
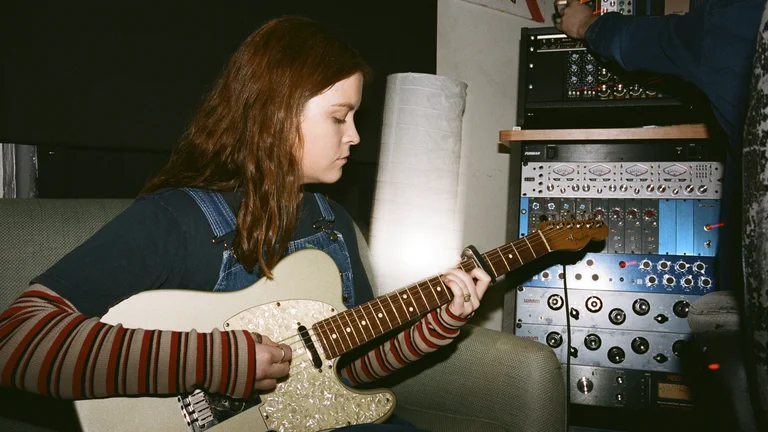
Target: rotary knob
pixel 636 191
pixel 615 213
pixel 575 188
pixel 649 188
pixel 535 206
pixel 702 189
pixel 562 190
pixel 650 213
pixel 689 189
pixel 623 188
pixel 661 189
pixel 584 385
pixel 550 187
pixel 675 191
pixel 632 213
pixel 586 188
pixel 599 213
pixel 612 188
pixel 599 190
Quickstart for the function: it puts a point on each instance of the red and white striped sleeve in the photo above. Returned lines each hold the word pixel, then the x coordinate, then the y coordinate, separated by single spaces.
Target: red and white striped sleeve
pixel 438 328
pixel 48 347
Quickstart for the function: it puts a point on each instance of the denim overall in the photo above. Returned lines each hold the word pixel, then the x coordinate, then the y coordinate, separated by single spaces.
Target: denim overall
pixel 233 276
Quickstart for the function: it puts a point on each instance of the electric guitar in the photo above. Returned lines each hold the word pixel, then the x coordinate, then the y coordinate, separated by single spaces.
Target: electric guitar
pixel 301 306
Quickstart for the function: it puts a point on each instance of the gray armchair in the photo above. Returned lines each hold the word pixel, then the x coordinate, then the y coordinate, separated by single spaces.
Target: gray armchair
pixel 509 383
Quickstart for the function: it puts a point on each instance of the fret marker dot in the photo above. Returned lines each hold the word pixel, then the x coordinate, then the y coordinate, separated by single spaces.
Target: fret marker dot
pixel 410 309
pixel 381 315
pixel 362 322
pixel 333 335
pixel 510 255
pixel 348 330
pixel 405 296
pixel 439 288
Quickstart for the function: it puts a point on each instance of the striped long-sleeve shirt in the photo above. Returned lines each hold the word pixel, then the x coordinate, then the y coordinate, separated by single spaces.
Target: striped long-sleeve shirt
pixel 48 347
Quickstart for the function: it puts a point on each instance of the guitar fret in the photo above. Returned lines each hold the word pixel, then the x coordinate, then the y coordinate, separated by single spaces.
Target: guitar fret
pixel 421 291
pixel 394 309
pixel 437 300
pixel 373 313
pixel 385 315
pixel 529 245
pixel 405 309
pixel 350 327
pixel 501 255
pixel 545 240
pixel 324 335
pixel 363 324
pixel 516 253
pixel 338 318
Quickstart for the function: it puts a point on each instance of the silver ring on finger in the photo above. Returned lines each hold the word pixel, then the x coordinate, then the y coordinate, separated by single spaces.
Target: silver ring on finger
pixel 283 357
pixel 467 298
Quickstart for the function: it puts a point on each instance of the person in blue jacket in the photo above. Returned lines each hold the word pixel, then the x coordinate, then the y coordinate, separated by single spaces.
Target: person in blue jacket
pixel 712 47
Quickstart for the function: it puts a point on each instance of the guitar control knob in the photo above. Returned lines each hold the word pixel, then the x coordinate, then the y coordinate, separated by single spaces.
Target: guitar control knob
pixel 636 191
pixel 586 188
pixel 675 191
pixel 688 189
pixel 661 189
pixel 623 188
pixel 612 188
pixel 584 385
pixel 550 187
pixel 702 189
pixel 649 188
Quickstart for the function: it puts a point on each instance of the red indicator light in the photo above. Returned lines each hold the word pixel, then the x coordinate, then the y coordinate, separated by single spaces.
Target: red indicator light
pixel 713 366
pixel 622 264
pixel 709 227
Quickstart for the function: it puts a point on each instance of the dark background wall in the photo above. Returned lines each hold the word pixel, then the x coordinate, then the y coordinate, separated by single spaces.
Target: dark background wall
pixel 105 89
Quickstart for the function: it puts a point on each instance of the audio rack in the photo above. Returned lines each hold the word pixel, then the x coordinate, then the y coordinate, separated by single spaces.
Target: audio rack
pixel 629 297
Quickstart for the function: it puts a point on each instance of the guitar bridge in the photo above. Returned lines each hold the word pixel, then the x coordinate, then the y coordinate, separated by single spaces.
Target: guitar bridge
pixel 196 411
pixel 203 410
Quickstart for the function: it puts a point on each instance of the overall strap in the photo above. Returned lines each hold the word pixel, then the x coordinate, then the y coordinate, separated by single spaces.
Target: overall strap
pixel 325 207
pixel 216 210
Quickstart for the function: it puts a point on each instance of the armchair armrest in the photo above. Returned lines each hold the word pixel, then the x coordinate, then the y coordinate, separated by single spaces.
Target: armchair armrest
pixel 487 380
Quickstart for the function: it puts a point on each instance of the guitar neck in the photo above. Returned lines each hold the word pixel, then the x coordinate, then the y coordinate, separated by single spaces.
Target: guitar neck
pixel 354 327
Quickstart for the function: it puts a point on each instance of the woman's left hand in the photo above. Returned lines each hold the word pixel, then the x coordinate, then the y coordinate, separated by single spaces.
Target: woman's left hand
pixel 468 289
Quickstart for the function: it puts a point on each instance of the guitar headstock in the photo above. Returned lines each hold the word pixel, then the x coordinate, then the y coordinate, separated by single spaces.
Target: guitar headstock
pixel 573 235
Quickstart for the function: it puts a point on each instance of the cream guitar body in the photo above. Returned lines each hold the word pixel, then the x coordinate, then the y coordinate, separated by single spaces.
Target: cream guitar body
pixel 306 288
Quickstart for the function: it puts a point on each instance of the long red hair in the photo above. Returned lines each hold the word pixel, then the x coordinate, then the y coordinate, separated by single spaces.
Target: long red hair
pixel 247 136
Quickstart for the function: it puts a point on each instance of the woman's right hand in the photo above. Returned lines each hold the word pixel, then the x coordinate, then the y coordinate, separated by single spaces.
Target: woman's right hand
pixel 273 361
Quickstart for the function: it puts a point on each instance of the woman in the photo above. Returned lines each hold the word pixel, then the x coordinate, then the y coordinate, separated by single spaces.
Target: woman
pixel 279 117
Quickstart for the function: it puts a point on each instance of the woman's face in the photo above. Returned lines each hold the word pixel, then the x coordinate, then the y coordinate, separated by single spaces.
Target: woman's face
pixel 328 130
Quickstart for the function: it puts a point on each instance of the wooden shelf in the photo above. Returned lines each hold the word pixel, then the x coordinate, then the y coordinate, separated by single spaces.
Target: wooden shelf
pixel 687 131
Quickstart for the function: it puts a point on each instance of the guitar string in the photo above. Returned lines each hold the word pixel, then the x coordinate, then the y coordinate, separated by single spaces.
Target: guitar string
pixel 564 231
